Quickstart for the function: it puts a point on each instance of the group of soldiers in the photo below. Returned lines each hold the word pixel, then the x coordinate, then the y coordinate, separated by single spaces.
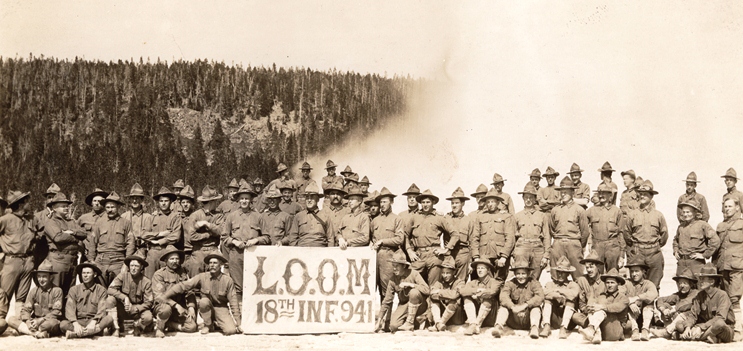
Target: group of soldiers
pixel 156 270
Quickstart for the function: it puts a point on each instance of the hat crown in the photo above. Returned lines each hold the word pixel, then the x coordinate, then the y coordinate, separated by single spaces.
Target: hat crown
pixel 685 273
pixel 493 193
pixel 371 197
pixel 53 189
pixel 731 173
pixel 113 196
pixel 45 266
pixel 187 191
pixel 233 184
pixel 564 264
pixel 208 192
pixel 365 180
pixel 258 181
pixel 449 263
pixel 14 195
pixel 636 261
pixel 245 189
pixel 520 264
pixel 385 193
pixel 497 178
pixel 242 182
pixel 566 182
pixel 536 173
pixel 482 188
pixel 136 190
pixel 575 168
pixel 399 256
pixel 458 193
pixel 164 191
pixel 330 164
pixel 413 189
pixel 347 170
pixel 353 177
pixel 593 256
pixel 708 269
pixel 179 183
pixel 281 167
pixel 604 188
pixel 606 167
pixel 312 188
pixel 646 186
pixel 306 165
pixel 692 177
pixel 550 172
pixel 529 189
pixel 59 197
pixel 286 185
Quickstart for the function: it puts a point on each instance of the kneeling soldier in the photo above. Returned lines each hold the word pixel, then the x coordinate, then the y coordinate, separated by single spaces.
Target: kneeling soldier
pixel 218 296
pixel 411 290
pixel 559 299
pixel 670 307
pixel 608 315
pixel 445 295
pixel 480 293
pixel 43 307
pixel 641 293
pixel 710 319
pixel 184 304
pixel 130 297
pixel 85 310
pixel 520 301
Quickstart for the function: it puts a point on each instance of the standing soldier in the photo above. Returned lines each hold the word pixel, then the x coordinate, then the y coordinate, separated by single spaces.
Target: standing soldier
pixel 202 230
pixel 41 247
pixel 65 239
pixel 607 239
pixel 691 193
pixel 331 178
pixel 259 202
pixel 42 310
pixel 387 237
pixel 423 235
pixel 186 198
pixel 304 179
pixel 729 260
pixel 533 238
pixel 569 228
pixel 112 239
pixel 17 240
pixel 287 204
pixel 276 223
pixel 354 228
pixel 478 195
pixel 177 187
pixel 350 182
pixel 582 195
pixel 141 221
pixel 548 197
pixel 371 206
pixel 535 177
pixel 130 297
pixel 463 225
pixel 347 172
pixel 85 310
pixel 167 229
pixel 647 233
pixel 364 185
pixel 628 201
pixel 506 200
pixel 88 220
pixel 334 211
pixel 184 305
pixel 493 235
pixel 695 240
pixel 606 173
pixel 230 203
pixel 309 227
pixel 731 178
pixel 411 194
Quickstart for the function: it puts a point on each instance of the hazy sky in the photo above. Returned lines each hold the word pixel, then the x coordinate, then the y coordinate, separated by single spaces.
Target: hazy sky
pixel 655 86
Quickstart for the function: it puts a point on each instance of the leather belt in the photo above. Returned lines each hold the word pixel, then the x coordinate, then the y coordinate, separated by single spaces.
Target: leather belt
pixel 646 246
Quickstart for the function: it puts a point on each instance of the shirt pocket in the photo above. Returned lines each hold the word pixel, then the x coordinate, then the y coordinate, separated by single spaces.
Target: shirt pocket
pixel 236 228
pixel 613 227
pixel 736 261
pixel 735 233
pixel 120 236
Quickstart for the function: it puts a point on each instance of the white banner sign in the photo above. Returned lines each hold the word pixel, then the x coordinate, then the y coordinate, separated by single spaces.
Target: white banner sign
pixel 303 290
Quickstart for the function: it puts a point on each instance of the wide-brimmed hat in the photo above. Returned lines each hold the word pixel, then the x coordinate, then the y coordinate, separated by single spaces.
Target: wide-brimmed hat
pixel 136 190
pixel 481 189
pixel 330 164
pixel 141 260
pixel 685 273
pixel 629 172
pixel 399 257
pixel 520 264
pixel 45 267
pixel 334 186
pixel 52 189
pixel 603 187
pixel 692 178
pixel 614 274
pixel 731 173
pixel 273 192
pixel 242 183
pixel 484 261
pixel 215 255
pixel 246 189
pixel 281 167
pixel 311 189
pixel 638 182
pixel 347 171
pixel 353 177
pixel 575 169
pixel 364 180
pixel 563 265
pixel 209 194
pixel 96 192
pixel 566 183
pixel 637 261
pixel 385 193
pixel 592 256
pixel 535 173
pixel 164 191
pixel 458 194
pixel 306 166
pixel 497 178
pixel 58 198
pixel 354 191
pixel 691 203
pixel 646 187
pixel 15 196
pixel 606 167
pixel 180 184
pixel 286 185
pixel 492 194
pixel 258 181
pixel 170 249
pixel 708 270
pixel 529 189
pixel 427 194
pixel 233 184
pixel 79 268
pixel 187 193
pixel 412 190
pixel 371 198
pixel 113 197
pixel 448 262
pixel 550 172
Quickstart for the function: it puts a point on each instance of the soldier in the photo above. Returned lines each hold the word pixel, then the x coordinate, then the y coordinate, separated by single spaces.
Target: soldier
pixel 569 228
pixel 520 302
pixel 479 295
pixel 642 294
pixel 283 177
pixel 65 240
pixel 364 185
pixel 112 239
pixel 493 235
pixel 301 200
pixel 230 203
pixel 411 290
pixel 606 173
pixel 607 239
pixel 549 197
pixel 463 225
pixel 85 311
pixel 387 237
pixel 412 193
pixel 202 230
pixel 731 178
pixel 354 228
pixel 141 221
pixel 506 200
pixel 669 308
pixel 628 201
pixel 167 229
pixel 646 233
pixel 287 204
pixel 728 259
pixel 42 310
pixel 259 202
pixel 347 172
pixel 695 240
pixel 351 182
pixel 241 230
pixel 533 238
pixel 582 190
pixel 305 177
pixel 560 296
pixel 591 286
pixel 17 240
pixel 177 187
pixel 184 304
pixel 186 198
pixel 331 178
pixel 130 297
pixel 276 223
pixel 710 318
pixel 535 177
pixel 444 296
pixel 219 304
pixel 608 312
pixel 691 193
pixel 371 206
pixel 478 195
pixel 423 234
pixel 89 220
pixel 41 247
pixel 309 228
pixel 334 211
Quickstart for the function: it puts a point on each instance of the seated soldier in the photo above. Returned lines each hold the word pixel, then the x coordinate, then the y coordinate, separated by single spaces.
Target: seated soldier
pixel 710 318
pixel 591 286
pixel 43 307
pixel 445 295
pixel 479 293
pixel 608 315
pixel 559 299
pixel 670 307
pixel 130 297
pixel 218 296
pixel 411 290
pixel 184 305
pixel 520 301
pixel 85 310
pixel 641 294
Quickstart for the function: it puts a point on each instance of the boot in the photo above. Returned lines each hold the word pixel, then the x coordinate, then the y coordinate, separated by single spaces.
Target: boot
pixel 445 317
pixel 42 335
pixel 159 328
pixel 136 329
pixel 497 331
pixel 635 335
pixel 205 330
pixel 23 329
pixel 546 331
pixel 645 335
pixel 113 312
pixel 563 333
pixel 70 335
pixel 596 337
pixel 588 333
pixel 534 332
pixel 410 319
pixel 471 329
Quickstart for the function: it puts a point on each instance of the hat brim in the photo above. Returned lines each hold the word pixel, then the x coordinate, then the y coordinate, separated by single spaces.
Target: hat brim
pixel 105 201
pixel 646 191
pixel 619 279
pixel 591 260
pixel 135 195
pixel 329 167
pixel 434 198
pixel 305 195
pixel 709 275
pixel 480 193
pixel 42 271
pixel 207 199
pixel 141 260
pixel 407 193
pixel 526 193
pixel 691 181
pixel 181 197
pixel 327 191
pixel 252 193
pixel 564 269
pixel 576 171
pixel 498 182
pixel 729 176
pixel 23 196
pixel 379 197
pixel 566 187
pixel 463 198
pixel 475 263
pixel 348 196
pixel 684 204
pixel 392 260
pixel 79 268
pixel 551 175
pixel 676 278
pixel 58 202
pixel 172 197
pixel 446 266
pixel 521 267
pixel 180 253
pixel 219 257
pixel 646 267
pixel 484 198
pixel 606 170
pixel 89 198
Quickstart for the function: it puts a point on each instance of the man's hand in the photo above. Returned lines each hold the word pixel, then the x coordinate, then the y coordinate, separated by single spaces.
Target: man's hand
pixel 545 262
pixel 502 262
pixel 250 243
pixel 68 232
pixel 413 256
pixel 375 245
pixel 406 285
pixel 697 256
pixel 380 323
pixel 278 243
pixel 518 308
pixel 78 329
pixel 200 224
pixel 32 323
pixel 342 243
pixel 622 261
pixel 634 308
pixel 90 328
pixel 440 251
pixel 238 244
pixel 180 309
pixel 127 304
pixel 191 315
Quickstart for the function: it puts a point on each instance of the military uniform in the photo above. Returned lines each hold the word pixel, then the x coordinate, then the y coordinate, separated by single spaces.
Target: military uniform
pixel 671 306
pixel 411 301
pixel 388 232
pixel 276 224
pixel 729 260
pixel 691 238
pixel 514 293
pixel 85 304
pixel 170 222
pixel 582 194
pixel 533 239
pixel 570 232
pixel 89 220
pixel 113 242
pixel 479 297
pixel 694 196
pixel 711 312
pixel 733 193
pixel 493 237
pixel 641 294
pixel 560 298
pixel 63 247
pixel 647 232
pixel 606 236
pixel 43 305
pixel 141 223
pixel 139 292
pixel 163 279
pixel 355 228
pixel 242 226
pixel 444 296
pixel 17 239
pixel 423 231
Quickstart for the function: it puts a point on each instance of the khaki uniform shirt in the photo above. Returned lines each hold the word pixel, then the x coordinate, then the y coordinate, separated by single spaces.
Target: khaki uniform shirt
pixel 695 237
pixel 86 303
pixel 355 229
pixel 493 235
pixel 309 229
pixel 165 278
pixel 388 230
pixel 569 221
pixel 514 293
pixel 113 235
pixel 42 303
pixel 16 235
pixel 276 224
pixel 138 290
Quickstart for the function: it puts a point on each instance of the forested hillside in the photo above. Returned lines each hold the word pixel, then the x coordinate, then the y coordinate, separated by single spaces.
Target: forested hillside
pixel 86 124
